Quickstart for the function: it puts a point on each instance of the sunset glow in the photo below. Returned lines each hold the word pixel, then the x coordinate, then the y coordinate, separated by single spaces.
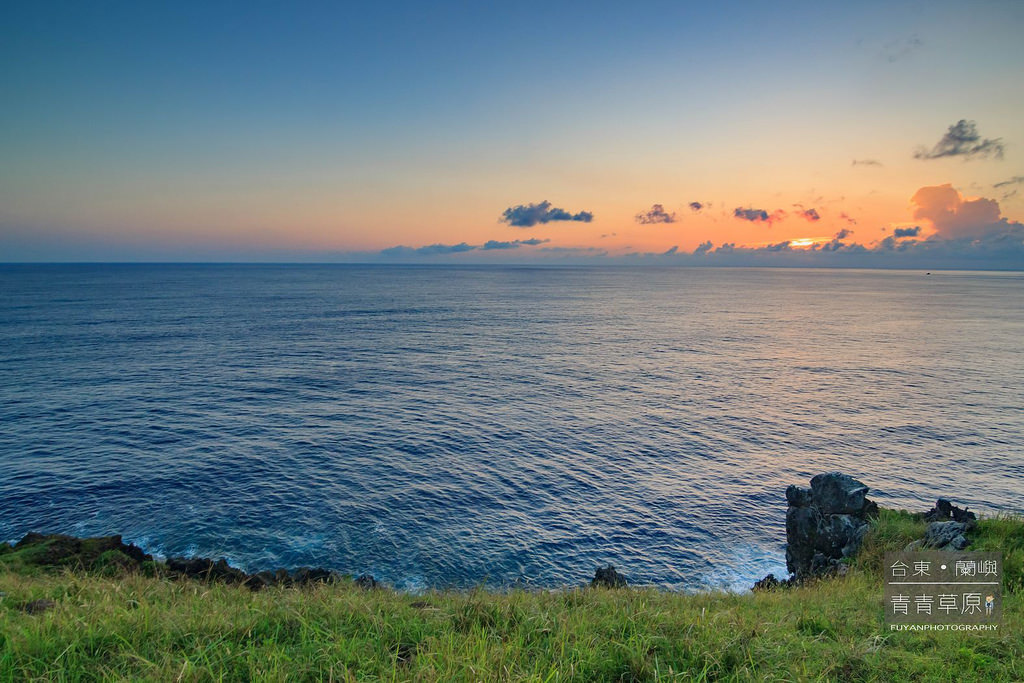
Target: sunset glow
pixel 684 134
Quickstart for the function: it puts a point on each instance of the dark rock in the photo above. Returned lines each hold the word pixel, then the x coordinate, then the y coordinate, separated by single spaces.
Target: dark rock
pixel 110 554
pixel 60 550
pixel 945 511
pixel 367 582
pixel 836 493
pixel 798 495
pixel 946 536
pixel 769 583
pixel 39 606
pixel 205 569
pixel 261 580
pixel 607 577
pixel 304 576
pixel 825 524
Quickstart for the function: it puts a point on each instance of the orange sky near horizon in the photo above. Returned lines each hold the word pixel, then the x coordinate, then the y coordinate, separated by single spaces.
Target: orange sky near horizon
pixel 118 140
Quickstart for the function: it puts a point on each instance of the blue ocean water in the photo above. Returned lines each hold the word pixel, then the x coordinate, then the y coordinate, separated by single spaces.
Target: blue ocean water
pixel 445 427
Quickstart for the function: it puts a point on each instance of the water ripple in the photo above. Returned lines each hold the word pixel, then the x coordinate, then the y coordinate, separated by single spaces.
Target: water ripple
pixel 447 427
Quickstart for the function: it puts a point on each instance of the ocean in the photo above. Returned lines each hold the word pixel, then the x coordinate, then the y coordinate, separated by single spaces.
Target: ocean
pixel 500 426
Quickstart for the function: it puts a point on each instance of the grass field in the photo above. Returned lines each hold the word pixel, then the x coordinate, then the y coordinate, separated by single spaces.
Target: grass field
pixel 101 623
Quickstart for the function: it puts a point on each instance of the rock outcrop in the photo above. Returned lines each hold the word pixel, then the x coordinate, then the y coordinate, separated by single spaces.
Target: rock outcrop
pixel 825 524
pixel 945 536
pixel 110 553
pixel 59 550
pixel 608 577
pixel 945 511
pixel 947 528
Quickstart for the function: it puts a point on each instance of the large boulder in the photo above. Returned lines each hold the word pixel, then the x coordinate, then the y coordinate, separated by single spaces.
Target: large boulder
pixel 825 524
pixel 946 536
pixel 608 577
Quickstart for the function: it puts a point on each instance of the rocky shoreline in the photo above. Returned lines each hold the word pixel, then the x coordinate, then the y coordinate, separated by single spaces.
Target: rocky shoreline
pixel 825 527
pixel 826 523
pixel 112 554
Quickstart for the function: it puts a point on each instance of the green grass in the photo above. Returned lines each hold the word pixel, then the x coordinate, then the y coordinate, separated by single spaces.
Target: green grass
pixel 134 627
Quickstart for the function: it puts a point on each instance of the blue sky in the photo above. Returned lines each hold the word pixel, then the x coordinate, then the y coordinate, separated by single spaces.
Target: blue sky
pixel 336 131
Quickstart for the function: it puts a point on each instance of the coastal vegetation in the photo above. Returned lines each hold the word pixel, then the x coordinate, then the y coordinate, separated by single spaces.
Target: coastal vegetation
pixel 116 619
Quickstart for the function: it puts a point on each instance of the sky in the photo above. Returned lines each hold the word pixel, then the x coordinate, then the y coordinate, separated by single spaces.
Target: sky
pixel 877 134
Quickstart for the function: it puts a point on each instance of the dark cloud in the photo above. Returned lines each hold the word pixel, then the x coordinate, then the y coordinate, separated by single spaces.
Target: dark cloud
pixel 434 249
pixel 962 140
pixel 837 243
pixel 514 244
pixel 866 162
pixel 577 252
pixel 899 49
pixel 907 232
pixel 671 251
pixel 703 248
pixel 525 216
pixel 696 206
pixel 1016 180
pixel 495 244
pixel 838 246
pixel 656 214
pixel 751 214
pixel 810 214
pixel 399 251
pixel 758 215
pixel 849 219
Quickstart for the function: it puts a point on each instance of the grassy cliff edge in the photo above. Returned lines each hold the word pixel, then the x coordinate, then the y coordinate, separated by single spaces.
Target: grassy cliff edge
pixel 105 622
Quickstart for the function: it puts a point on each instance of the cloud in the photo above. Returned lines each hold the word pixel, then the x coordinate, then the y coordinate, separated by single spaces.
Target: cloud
pixel 751 214
pixel 525 216
pixel 810 214
pixel 671 251
pixel 1015 180
pixel 583 254
pixel 962 140
pixel 849 219
pixel 866 162
pixel 837 243
pixel 758 215
pixel 969 233
pixel 696 206
pixel 514 244
pixel 433 249
pixel 656 214
pixel 957 218
pixel 899 49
